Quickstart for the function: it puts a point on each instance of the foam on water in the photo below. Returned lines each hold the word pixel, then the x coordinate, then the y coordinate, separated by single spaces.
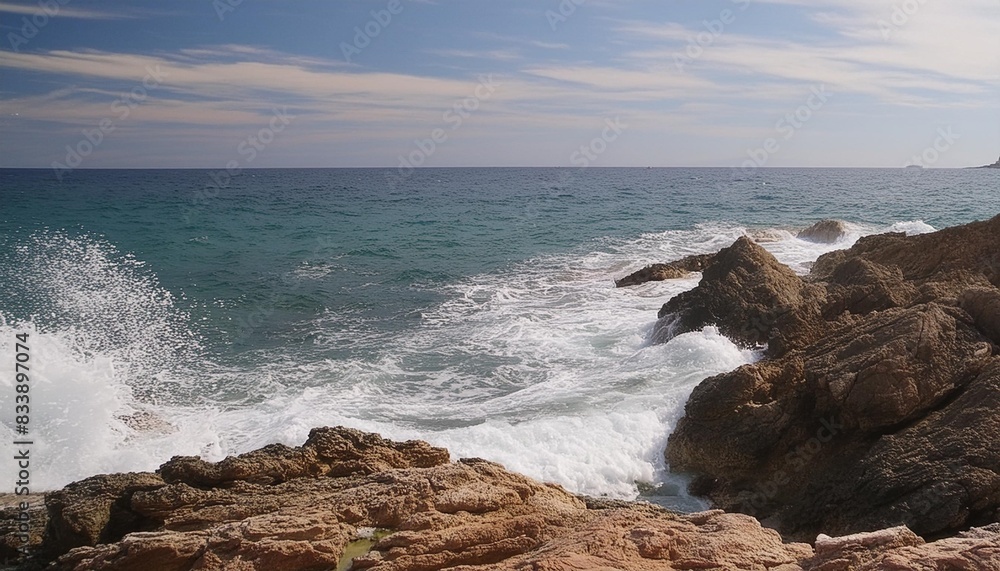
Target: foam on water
pixel 544 367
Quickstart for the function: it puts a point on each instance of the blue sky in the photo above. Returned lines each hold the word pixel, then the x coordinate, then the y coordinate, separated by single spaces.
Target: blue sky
pixel 341 83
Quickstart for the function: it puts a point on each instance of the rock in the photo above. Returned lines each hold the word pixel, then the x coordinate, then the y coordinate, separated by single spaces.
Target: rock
pixel 859 286
pixel 436 515
pixel 824 232
pixel 17 525
pixel 768 235
pixel 963 255
pixel 423 514
pixel 995 165
pixel 327 452
pixel 892 538
pixel 879 404
pixel 95 510
pixel 745 292
pixel 670 271
pixel 983 304
pixel 936 476
pixel 900 548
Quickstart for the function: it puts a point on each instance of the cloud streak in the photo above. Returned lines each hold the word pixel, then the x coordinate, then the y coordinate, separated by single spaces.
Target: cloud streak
pixel 945 57
pixel 59 11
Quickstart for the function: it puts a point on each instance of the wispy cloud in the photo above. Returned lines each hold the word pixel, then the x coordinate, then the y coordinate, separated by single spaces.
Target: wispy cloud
pixel 489 55
pixel 60 11
pixel 943 59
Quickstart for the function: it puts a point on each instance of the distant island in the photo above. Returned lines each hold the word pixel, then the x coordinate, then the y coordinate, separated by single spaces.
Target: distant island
pixel 995 165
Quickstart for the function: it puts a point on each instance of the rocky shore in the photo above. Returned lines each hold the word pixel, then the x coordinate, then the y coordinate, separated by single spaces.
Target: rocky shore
pixel 351 500
pixel 867 437
pixel 878 401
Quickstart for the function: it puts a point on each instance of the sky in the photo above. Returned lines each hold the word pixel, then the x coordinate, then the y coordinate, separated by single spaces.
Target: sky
pixel 408 83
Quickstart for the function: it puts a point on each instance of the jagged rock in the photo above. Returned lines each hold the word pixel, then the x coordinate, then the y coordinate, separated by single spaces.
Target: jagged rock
pixel 669 271
pixel 899 548
pixel 961 254
pixel 95 510
pixel 466 515
pixel 936 476
pixel 983 304
pixel 437 515
pixel 745 292
pixel 859 286
pixel 327 452
pixel 766 235
pixel 16 524
pixel 824 231
pixel 879 407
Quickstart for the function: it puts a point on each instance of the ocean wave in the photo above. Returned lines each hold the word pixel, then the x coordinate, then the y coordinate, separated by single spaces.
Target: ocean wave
pixel 543 366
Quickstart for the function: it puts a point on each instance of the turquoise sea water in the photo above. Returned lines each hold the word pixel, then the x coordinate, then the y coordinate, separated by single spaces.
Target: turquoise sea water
pixel 473 308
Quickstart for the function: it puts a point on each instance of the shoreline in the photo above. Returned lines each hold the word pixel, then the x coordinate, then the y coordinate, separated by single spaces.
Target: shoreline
pixel 881 374
pixel 353 500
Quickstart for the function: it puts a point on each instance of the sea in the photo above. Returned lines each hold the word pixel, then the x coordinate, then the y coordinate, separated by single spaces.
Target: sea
pixel 177 312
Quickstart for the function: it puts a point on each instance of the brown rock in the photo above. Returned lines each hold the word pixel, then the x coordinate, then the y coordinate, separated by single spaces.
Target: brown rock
pixel 894 366
pixel 467 515
pixel 327 452
pixel 899 548
pixel 859 286
pixel 21 529
pixel 876 409
pixel 962 251
pixel 983 304
pixel 95 510
pixel 669 271
pixel 824 231
pixel 745 292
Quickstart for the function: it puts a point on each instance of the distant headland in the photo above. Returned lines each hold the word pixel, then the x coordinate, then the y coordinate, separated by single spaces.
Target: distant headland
pixel 995 165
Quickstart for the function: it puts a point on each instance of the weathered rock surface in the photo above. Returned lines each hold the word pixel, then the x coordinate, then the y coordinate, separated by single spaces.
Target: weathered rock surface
pixel 434 514
pixel 746 293
pixel 824 231
pixel 21 529
pixel 961 255
pixel 669 271
pixel 878 403
pixel 900 548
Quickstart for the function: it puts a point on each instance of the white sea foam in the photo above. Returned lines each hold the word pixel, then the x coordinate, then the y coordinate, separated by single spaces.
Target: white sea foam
pixel 545 368
pixel 912 227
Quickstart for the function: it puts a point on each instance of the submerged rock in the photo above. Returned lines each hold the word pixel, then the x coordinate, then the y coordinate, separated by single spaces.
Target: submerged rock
pixel 669 271
pixel 824 231
pixel 878 401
